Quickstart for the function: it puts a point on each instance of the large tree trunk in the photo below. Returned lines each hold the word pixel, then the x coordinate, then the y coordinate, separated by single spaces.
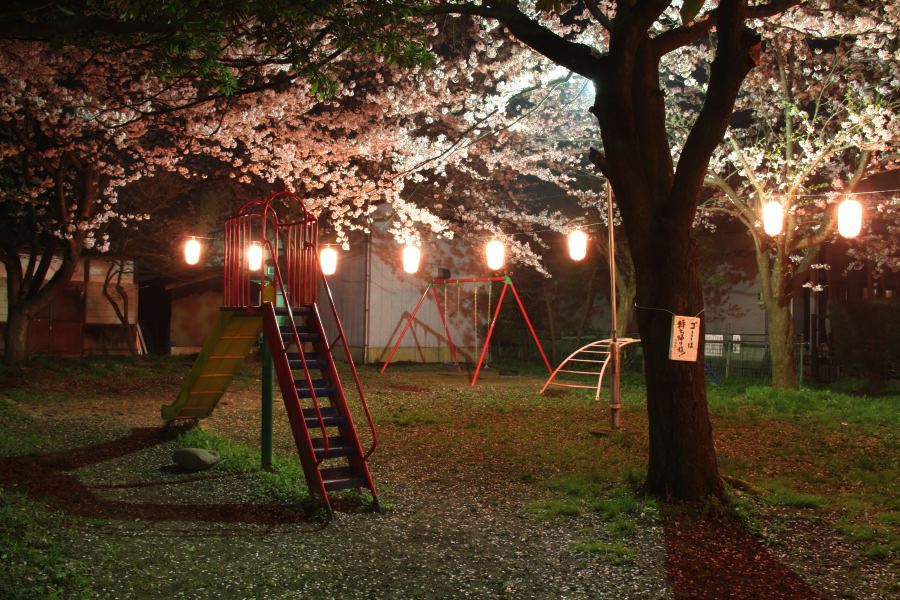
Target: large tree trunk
pixel 781 344
pixel 15 335
pixel 626 289
pixel 682 462
pixel 588 307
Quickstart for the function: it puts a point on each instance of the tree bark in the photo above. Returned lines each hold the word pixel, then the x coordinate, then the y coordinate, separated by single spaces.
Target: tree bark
pixel 625 288
pixel 28 291
pixel 115 270
pixel 15 335
pixel 588 307
pixel 682 461
pixel 781 345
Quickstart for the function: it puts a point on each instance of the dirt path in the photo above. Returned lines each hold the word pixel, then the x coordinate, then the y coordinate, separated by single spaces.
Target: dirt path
pixel 716 558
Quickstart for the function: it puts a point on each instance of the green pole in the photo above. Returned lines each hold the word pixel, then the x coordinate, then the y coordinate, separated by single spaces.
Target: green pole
pixel 265 436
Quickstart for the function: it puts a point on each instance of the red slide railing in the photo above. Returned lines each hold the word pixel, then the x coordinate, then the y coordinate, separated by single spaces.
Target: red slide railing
pixel 309 382
pixel 343 338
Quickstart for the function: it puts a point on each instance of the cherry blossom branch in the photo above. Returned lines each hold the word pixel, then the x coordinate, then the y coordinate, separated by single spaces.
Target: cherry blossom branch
pixel 686 34
pixel 571 55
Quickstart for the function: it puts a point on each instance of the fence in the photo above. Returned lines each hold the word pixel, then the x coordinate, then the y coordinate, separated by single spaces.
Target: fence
pixel 727 355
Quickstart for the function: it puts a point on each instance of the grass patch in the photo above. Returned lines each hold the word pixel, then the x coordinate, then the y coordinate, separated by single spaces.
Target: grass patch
pixel 284 483
pixel 33 564
pixel 781 492
pixel 404 416
pixel 824 405
pixel 855 531
pixel 18 435
pixel 617 554
pixel 619 507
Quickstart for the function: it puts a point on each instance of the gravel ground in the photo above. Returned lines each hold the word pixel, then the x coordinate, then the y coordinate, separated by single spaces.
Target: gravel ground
pixel 459 471
pixel 450 530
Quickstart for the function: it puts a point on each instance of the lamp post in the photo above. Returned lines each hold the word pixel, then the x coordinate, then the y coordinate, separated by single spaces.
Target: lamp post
pixel 615 407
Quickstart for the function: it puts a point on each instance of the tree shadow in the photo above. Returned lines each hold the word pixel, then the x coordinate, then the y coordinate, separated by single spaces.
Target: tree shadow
pixel 711 555
pixel 50 479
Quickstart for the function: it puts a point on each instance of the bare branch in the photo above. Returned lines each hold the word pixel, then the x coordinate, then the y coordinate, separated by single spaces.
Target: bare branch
pixel 595 11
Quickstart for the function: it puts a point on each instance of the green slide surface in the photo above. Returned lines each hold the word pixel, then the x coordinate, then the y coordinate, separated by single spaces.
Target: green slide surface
pixel 224 351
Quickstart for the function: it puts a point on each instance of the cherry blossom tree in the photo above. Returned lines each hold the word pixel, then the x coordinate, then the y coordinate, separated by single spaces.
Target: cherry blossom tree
pixel 621 47
pixel 824 117
pixel 83 115
pixel 64 155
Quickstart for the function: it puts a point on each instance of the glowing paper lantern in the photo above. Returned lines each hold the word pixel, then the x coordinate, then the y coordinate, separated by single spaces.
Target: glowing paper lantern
pixel 328 260
pixel 849 218
pixel 495 252
pixel 254 256
pixel 577 244
pixel 192 249
pixel 411 258
pixel 773 217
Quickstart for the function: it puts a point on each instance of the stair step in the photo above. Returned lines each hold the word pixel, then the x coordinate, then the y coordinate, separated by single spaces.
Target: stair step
pixel 336 447
pixel 303 309
pixel 321 387
pixel 306 334
pixel 330 416
pixel 342 478
pixel 312 361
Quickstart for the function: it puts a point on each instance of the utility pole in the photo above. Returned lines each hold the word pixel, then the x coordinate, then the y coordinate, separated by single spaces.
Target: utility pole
pixel 615 406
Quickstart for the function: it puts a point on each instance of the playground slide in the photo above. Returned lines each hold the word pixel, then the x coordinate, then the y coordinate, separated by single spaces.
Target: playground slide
pixel 223 353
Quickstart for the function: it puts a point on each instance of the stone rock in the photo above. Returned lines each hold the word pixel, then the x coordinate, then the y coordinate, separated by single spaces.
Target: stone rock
pixel 195 459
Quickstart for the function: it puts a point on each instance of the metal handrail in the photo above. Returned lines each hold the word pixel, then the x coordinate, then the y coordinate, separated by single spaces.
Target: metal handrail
pixel 343 338
pixel 309 382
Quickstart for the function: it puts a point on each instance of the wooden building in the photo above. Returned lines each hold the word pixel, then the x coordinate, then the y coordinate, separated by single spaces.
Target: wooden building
pixel 80 320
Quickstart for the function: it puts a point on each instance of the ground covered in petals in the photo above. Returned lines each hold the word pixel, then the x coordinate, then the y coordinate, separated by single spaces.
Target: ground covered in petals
pixel 491 491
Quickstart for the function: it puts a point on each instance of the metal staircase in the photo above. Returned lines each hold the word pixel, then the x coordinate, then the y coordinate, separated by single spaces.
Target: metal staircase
pixel 281 299
pixel 322 426
pixel 314 397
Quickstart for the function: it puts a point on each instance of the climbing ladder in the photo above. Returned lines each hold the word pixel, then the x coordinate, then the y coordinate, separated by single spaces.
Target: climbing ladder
pixel 316 404
pixel 327 441
pixel 580 368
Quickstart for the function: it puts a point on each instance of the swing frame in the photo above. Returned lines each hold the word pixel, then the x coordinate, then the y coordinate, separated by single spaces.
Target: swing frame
pixel 432 287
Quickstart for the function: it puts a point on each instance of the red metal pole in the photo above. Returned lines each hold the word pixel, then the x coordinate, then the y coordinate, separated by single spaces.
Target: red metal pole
pixel 487 340
pixel 446 329
pixel 405 329
pixel 530 328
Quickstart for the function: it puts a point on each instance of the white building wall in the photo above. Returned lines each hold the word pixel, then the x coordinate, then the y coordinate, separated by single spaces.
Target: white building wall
pixel 393 295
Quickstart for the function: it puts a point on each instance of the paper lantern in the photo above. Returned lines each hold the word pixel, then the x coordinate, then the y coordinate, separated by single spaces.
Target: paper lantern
pixel 328 259
pixel 773 217
pixel 577 244
pixel 849 218
pixel 411 258
pixel 495 252
pixel 192 250
pixel 254 256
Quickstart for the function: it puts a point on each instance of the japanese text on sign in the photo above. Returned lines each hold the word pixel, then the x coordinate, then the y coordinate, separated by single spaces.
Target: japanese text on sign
pixel 685 338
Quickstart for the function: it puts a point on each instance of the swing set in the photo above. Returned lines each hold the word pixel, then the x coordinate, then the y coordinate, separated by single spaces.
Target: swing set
pixel 432 288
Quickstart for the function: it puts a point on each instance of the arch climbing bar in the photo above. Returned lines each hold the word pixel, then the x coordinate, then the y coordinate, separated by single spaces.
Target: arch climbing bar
pixel 587 354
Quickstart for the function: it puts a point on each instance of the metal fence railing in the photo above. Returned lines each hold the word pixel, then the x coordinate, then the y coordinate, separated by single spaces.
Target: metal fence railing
pixel 727 355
